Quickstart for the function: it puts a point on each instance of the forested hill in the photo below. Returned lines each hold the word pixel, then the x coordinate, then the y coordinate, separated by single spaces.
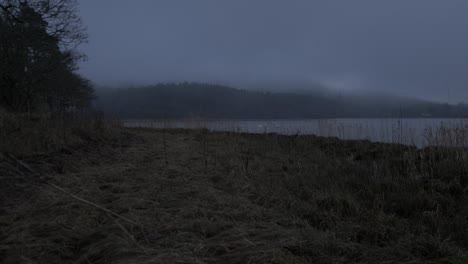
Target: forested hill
pixel 215 101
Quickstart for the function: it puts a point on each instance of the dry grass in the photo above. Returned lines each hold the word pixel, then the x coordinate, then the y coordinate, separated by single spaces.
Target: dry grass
pixel 30 134
pixel 201 197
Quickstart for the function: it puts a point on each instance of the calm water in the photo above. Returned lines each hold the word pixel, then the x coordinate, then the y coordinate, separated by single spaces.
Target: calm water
pixel 419 132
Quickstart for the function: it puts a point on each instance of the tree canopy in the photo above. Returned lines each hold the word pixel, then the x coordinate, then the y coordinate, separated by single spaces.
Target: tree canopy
pixel 38 56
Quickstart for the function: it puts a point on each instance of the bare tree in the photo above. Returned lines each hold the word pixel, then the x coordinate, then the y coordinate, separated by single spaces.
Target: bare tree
pixel 61 16
pixel 38 43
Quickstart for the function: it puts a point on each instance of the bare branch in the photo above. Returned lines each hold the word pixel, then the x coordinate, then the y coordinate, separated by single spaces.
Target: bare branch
pixel 61 16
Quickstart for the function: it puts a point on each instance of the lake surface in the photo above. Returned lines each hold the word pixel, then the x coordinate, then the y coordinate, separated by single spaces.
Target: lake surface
pixel 409 131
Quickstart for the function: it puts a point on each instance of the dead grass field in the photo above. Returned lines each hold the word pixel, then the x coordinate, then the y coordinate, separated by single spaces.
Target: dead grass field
pixel 202 197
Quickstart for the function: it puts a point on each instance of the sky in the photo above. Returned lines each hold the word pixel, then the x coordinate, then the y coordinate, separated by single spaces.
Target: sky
pixel 415 48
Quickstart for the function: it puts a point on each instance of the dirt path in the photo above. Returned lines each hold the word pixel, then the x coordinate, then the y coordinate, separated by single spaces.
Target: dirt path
pixel 187 212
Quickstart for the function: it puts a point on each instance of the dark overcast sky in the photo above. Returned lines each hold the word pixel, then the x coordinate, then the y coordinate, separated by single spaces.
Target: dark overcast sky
pixel 407 47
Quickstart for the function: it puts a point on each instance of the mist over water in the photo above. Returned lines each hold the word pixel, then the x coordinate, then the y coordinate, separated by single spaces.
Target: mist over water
pixel 413 48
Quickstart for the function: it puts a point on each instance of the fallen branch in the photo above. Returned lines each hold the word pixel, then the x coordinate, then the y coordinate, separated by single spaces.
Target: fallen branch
pixel 90 203
pixel 130 235
pixel 44 181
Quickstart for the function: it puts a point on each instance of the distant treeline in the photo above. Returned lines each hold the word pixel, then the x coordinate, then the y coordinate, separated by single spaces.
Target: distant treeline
pixel 184 100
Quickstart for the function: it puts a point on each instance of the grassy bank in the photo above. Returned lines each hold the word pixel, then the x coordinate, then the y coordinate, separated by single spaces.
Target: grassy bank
pixel 201 197
pixel 33 134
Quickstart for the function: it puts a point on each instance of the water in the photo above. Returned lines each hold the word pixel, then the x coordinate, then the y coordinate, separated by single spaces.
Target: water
pixel 409 131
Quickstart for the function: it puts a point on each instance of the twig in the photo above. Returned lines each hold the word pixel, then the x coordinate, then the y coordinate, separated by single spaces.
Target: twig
pixel 6 9
pixel 129 235
pixel 44 181
pixel 250 242
pixel 26 166
pixel 91 203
